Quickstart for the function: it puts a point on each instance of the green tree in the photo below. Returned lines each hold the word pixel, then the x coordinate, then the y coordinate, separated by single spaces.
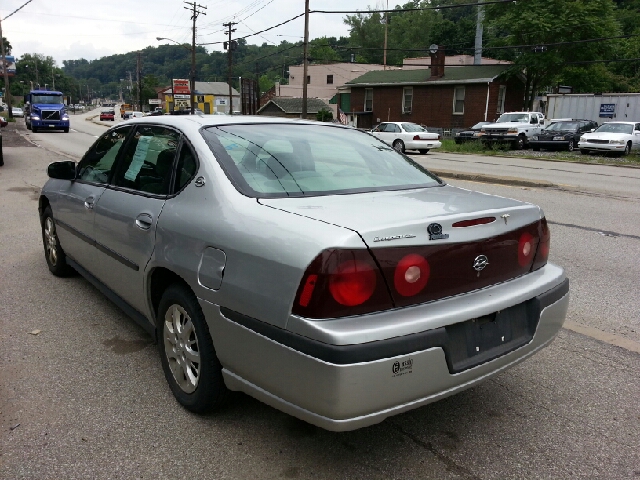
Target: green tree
pixel 533 23
pixel 324 115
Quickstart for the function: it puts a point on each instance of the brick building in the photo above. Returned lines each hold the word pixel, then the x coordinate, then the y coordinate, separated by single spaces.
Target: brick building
pixel 439 97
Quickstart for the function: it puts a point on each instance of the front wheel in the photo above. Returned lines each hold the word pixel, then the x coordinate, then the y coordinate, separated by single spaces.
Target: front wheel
pixel 398 146
pixel 189 360
pixel 53 253
pixel 519 143
pixel 34 129
pixel 66 130
pixel 424 151
pixel 627 149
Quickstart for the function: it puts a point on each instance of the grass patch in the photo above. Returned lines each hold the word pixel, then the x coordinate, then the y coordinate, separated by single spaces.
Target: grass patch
pixel 475 147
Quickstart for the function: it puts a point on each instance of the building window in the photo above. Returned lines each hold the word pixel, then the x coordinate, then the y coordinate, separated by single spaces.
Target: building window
pixel 502 93
pixel 329 79
pixel 458 100
pixel 368 99
pixel 407 99
pixel 308 79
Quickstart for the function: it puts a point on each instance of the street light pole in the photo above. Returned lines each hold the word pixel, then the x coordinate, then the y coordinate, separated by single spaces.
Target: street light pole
pixel 7 93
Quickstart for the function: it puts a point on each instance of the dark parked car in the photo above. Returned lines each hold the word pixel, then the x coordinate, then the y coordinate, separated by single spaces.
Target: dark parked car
pixel 471 134
pixel 563 134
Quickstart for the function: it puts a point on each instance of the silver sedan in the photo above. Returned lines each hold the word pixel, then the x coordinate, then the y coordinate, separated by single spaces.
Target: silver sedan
pixel 309 265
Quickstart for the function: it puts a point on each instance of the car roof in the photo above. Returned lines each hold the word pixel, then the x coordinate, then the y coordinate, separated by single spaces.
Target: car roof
pixel 623 123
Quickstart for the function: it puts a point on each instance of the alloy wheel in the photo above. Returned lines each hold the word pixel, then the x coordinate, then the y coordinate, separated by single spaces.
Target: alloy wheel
pixel 181 348
pixel 51 242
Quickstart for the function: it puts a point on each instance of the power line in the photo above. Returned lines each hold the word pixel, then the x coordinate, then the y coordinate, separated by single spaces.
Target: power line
pixel 19 8
pixel 261 31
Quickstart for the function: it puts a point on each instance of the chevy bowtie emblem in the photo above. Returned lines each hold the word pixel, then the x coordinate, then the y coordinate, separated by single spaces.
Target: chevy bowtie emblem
pixel 479 263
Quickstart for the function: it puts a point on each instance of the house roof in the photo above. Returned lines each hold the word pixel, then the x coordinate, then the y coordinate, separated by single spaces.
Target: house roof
pixel 463 74
pixel 294 104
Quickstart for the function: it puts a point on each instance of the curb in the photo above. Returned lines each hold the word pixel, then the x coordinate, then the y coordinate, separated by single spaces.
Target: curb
pixel 474 177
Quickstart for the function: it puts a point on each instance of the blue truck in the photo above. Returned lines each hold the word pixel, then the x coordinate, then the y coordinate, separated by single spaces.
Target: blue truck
pixel 45 110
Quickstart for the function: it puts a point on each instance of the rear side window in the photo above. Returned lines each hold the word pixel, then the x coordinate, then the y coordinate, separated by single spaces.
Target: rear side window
pixel 281 160
pixel 187 167
pixel 148 160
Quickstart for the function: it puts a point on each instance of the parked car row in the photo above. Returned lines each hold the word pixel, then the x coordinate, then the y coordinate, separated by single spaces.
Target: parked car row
pixel 566 134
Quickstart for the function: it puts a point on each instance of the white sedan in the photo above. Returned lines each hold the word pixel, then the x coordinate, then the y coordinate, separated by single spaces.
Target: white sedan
pixel 406 135
pixel 612 137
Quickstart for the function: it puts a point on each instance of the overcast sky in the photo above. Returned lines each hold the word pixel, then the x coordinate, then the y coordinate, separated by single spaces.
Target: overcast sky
pixel 72 29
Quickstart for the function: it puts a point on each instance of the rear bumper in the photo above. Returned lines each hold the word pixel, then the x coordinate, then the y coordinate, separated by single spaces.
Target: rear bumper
pixel 349 386
pixel 422 144
pixel 550 144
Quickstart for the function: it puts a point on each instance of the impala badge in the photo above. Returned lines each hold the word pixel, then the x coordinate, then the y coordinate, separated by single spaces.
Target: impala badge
pixel 435 232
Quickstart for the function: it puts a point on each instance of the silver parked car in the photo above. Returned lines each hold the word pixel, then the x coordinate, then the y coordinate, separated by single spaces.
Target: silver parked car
pixel 309 265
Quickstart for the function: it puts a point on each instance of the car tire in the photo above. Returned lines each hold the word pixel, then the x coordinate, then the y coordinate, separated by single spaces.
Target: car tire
pixel 28 125
pixel 66 130
pixel 188 357
pixel 572 146
pixel 584 152
pixel 398 146
pixel 53 253
pixel 34 129
pixel 627 149
pixel 535 149
pixel 519 144
pixel 423 151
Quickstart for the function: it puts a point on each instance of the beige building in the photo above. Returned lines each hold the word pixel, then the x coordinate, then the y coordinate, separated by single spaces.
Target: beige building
pixel 453 60
pixel 323 80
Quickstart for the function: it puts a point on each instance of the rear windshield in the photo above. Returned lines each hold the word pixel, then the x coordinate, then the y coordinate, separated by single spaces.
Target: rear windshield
pixel 282 160
pixel 558 126
pixel 412 128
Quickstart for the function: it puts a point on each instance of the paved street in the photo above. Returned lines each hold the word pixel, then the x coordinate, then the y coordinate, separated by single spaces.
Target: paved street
pixel 86 396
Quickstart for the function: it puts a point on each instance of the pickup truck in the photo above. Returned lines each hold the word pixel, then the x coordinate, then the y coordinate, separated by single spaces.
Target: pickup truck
pixel 515 128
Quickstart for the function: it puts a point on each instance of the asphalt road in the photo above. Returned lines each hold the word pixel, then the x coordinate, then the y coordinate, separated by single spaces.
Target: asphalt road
pixel 86 397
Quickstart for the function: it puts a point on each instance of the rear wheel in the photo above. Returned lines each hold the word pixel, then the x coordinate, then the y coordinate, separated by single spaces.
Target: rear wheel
pixel 423 151
pixel 398 146
pixel 53 253
pixel 189 360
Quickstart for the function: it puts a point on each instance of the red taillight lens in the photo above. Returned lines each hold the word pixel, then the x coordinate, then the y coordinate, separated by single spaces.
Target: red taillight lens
pixel 475 221
pixel 416 137
pixel 542 255
pixel 411 275
pixel 526 249
pixel 352 283
pixel 339 283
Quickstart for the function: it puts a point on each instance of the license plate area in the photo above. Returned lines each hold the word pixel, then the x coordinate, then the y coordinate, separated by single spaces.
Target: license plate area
pixel 482 339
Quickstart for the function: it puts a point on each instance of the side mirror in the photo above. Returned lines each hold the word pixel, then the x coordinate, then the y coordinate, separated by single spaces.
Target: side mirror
pixel 62 170
pixel 592 130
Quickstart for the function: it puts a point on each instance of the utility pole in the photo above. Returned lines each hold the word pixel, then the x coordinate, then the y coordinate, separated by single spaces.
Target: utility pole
pixel 477 57
pixel 7 93
pixel 230 62
pixel 193 6
pixel 139 93
pixel 386 27
pixel 305 63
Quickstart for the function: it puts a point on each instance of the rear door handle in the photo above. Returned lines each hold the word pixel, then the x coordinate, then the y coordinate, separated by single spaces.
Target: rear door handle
pixel 144 221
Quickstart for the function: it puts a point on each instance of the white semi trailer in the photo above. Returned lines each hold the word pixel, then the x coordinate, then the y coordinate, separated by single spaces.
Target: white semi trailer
pixel 599 108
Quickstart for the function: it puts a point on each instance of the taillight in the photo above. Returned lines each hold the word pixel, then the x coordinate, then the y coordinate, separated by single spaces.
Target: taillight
pixel 411 275
pixel 339 283
pixel 352 283
pixel 542 255
pixel 474 222
pixel 526 249
pixel 416 137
